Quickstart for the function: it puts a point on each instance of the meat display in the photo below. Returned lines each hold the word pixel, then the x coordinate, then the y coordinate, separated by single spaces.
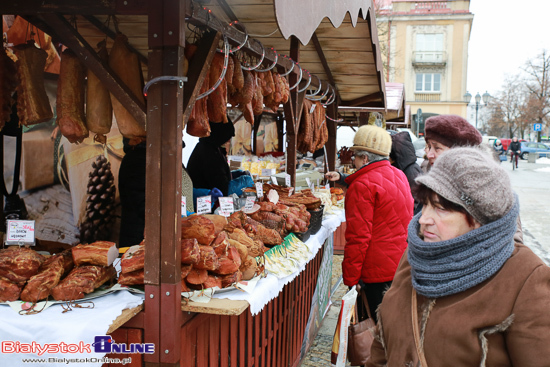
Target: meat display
pixel 39 286
pixel 8 83
pixel 197 124
pixel 99 111
pixel 81 281
pixel 33 105
pixel 208 259
pixel 126 66
pixel 102 253
pixel 190 251
pixel 217 100
pixel 18 264
pixel 133 259
pixel 199 227
pixel 132 278
pixel 70 98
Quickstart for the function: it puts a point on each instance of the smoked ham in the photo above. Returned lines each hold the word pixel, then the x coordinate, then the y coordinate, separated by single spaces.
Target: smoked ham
pixel 229 262
pixel 136 277
pixel 197 123
pixel 212 281
pixel 208 259
pixel 199 227
pixel 8 83
pixel 102 253
pixel 9 291
pixel 190 252
pixel 18 264
pixel 81 281
pixel 39 286
pixel 133 259
pixel 33 105
pixel 196 276
pixel 126 66
pixel 99 111
pixel 217 100
pixel 229 279
pixel 70 98
pixel 238 77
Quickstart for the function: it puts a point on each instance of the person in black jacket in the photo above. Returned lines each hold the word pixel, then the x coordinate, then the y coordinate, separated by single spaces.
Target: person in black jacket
pixel 514 148
pixel 403 157
pixel 207 166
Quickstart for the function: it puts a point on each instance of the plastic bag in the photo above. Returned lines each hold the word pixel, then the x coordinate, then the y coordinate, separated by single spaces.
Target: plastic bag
pixel 340 342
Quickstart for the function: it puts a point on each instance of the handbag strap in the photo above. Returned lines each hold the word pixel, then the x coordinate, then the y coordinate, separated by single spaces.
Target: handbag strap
pixel 365 302
pixel 416 332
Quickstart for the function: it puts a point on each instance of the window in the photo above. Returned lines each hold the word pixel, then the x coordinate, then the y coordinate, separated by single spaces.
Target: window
pixel 428 82
pixel 429 47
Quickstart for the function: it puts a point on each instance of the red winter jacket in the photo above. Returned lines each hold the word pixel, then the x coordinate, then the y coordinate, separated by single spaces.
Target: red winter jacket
pixel 379 207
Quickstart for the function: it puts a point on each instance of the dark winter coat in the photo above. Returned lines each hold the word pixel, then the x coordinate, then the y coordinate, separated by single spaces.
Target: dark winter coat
pixel 403 156
pixel 502 321
pixel 514 146
pixel 207 166
pixel 379 207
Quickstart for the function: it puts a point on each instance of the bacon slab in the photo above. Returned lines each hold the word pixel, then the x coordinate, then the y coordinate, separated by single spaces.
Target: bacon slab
pixel 81 281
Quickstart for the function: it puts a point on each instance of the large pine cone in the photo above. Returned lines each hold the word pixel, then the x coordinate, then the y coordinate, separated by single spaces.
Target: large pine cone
pixel 100 203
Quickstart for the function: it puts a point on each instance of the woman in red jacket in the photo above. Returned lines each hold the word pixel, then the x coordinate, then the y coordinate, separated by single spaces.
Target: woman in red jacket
pixel 379 207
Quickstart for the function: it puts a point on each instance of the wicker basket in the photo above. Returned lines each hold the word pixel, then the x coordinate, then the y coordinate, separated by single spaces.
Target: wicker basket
pixel 303 236
pixel 316 219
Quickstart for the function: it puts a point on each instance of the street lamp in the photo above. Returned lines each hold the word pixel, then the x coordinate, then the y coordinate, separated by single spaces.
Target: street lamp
pixel 468 97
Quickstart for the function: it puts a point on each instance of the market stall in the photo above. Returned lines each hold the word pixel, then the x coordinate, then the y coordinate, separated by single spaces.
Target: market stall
pixel 180 330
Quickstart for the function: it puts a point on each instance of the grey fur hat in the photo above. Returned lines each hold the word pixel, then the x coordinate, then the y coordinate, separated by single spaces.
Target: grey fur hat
pixel 472 179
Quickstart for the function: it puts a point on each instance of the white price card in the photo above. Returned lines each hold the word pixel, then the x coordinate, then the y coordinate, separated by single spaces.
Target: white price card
pixel 226 206
pixel 204 204
pixel 20 232
pixel 308 182
pixel 290 191
pixel 274 180
pixel 259 189
pixel 183 206
pixel 287 180
pixel 249 203
pixel 327 186
pixel 266 172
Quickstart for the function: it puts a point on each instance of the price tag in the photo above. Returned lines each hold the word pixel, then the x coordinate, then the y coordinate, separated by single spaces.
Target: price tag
pixel 266 172
pixel 290 191
pixel 274 180
pixel 249 204
pixel 308 182
pixel 287 180
pixel 260 189
pixel 183 207
pixel 204 204
pixel 20 232
pixel 226 206
pixel 327 186
pixel 312 108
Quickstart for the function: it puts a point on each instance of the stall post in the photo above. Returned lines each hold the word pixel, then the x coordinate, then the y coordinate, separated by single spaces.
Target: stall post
pixel 163 316
pixel 332 124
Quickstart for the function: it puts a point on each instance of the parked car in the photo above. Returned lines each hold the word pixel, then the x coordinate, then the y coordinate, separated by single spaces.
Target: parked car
pixel 528 147
pixel 489 139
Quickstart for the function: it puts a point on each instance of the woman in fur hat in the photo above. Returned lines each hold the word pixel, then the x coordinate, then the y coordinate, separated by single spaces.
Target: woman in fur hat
pixel 464 293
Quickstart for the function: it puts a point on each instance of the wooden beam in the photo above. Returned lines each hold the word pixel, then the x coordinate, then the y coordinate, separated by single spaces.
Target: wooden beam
pixel 227 10
pixel 362 101
pixel 111 34
pixel 324 62
pixel 332 113
pixel 82 7
pixel 198 69
pixel 66 33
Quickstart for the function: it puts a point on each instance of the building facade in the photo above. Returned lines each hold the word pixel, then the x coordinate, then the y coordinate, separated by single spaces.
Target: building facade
pixel 425 47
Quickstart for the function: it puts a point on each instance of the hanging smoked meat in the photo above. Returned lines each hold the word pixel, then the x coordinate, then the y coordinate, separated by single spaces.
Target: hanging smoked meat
pixel 322 131
pixel 286 90
pixel 198 125
pixel 99 111
pixel 33 106
pixel 258 99
pixel 305 131
pixel 70 98
pixel 8 83
pixel 246 95
pixel 238 77
pixel 126 66
pixel 217 100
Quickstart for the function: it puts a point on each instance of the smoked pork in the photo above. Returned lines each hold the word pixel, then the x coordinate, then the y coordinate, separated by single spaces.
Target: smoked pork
pixel 9 291
pixel 199 227
pixel 8 83
pixel 18 264
pixel 126 66
pixel 136 277
pixel 33 105
pixel 70 98
pixel 190 252
pixel 99 111
pixel 102 253
pixel 217 100
pixel 133 259
pixel 208 259
pixel 39 286
pixel 81 281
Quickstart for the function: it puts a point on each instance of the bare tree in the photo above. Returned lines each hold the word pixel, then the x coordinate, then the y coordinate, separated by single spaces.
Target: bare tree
pixel 506 108
pixel 537 108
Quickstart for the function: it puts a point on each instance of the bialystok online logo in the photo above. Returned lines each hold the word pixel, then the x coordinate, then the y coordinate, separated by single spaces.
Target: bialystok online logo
pixel 102 344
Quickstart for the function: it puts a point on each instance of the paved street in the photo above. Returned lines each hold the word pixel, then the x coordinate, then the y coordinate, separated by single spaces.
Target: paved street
pixel 532 184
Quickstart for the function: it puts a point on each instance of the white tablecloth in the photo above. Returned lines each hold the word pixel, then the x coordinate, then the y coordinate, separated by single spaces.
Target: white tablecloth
pixel 79 326
pixel 269 287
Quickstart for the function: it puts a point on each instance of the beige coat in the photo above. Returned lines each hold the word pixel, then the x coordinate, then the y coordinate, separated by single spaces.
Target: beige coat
pixel 504 321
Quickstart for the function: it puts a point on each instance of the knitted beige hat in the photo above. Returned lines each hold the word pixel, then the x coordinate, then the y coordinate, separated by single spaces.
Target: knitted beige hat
pixel 373 139
pixel 472 179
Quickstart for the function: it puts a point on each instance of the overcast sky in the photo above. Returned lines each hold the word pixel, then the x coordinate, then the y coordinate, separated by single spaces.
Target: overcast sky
pixel 505 33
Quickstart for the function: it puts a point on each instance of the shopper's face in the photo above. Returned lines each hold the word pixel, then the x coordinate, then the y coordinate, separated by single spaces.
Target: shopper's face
pixel 359 161
pixel 434 149
pixel 438 224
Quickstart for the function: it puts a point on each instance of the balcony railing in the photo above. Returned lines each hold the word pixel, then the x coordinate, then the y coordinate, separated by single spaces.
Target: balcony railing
pixel 427 97
pixel 429 57
pixel 431 5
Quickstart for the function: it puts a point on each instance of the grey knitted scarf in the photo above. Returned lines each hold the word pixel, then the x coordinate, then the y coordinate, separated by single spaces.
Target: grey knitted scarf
pixel 443 268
